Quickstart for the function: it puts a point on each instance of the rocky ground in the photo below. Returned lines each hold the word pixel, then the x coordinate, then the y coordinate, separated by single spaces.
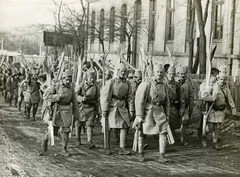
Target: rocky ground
pixel 20 142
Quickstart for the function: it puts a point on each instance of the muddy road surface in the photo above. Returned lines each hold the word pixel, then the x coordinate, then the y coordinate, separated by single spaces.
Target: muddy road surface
pixel 20 143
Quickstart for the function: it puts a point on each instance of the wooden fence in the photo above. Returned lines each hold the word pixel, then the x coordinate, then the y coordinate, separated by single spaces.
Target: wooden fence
pixel 233 86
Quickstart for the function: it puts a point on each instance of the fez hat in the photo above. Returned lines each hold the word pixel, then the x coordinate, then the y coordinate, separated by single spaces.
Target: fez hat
pixel 122 66
pixel 182 70
pixel 222 75
pixel 158 67
pixel 223 69
pixel 67 73
pixel 90 73
pixel 138 73
pixel 172 69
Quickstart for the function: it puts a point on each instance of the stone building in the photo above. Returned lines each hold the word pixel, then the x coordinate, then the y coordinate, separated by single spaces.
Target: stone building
pixel 164 24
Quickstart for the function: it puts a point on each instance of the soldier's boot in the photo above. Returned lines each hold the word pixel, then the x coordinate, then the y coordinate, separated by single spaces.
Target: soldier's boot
pixel 109 152
pixel 215 145
pixel 28 109
pixel 141 157
pixel 10 100
pixel 162 148
pixel 122 150
pixel 116 135
pixel 34 112
pixel 91 145
pixel 16 102
pixel 19 105
pixel 78 135
pixel 204 138
pixel 183 135
pixel 65 137
pixel 44 145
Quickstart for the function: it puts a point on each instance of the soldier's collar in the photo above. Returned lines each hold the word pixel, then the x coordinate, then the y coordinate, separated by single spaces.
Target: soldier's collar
pixel 157 81
pixel 122 78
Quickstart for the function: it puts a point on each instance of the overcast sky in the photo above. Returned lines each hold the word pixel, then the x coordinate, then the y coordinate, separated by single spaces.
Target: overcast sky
pixel 19 13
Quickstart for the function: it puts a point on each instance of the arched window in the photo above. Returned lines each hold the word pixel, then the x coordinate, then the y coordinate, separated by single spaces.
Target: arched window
pixel 152 14
pixel 101 27
pixel 123 29
pixel 112 25
pixel 170 20
pixel 93 26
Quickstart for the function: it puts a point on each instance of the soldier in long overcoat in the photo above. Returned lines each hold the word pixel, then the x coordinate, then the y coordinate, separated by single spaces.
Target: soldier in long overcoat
pixel 186 102
pixel 117 105
pixel 88 94
pixel 220 96
pixel 32 94
pixel 64 95
pixel 174 98
pixel 152 110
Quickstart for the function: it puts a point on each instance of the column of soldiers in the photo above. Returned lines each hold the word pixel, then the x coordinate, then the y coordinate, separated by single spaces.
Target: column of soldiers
pixel 149 105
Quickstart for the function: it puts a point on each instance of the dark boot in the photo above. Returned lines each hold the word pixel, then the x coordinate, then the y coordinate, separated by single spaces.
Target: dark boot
pixel 28 109
pixel 91 145
pixel 216 147
pixel 10 101
pixel 34 111
pixel 78 136
pixel 44 145
pixel 19 105
pixel 65 137
pixel 108 152
pixel 16 102
pixel 116 135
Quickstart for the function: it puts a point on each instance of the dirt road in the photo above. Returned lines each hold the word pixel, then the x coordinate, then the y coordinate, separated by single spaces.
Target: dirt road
pixel 20 142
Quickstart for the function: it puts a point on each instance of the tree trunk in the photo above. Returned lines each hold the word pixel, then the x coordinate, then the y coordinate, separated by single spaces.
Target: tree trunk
pixel 191 39
pixel 202 37
pixel 129 51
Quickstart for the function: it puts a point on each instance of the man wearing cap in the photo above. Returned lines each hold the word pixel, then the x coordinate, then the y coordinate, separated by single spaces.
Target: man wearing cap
pixel 64 95
pixel 152 111
pixel 220 97
pixel 186 102
pixel 32 94
pixel 7 91
pixel 88 94
pixel 174 98
pixel 117 105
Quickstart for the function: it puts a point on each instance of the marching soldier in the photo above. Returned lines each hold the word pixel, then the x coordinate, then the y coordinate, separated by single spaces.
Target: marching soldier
pixel 186 102
pixel 88 94
pixel 174 98
pixel 32 94
pixel 64 95
pixel 220 97
pixel 22 88
pixel 12 87
pixel 152 111
pixel 7 75
pixel 114 97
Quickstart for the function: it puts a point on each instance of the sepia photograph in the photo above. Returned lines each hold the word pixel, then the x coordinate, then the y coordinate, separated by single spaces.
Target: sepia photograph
pixel 119 88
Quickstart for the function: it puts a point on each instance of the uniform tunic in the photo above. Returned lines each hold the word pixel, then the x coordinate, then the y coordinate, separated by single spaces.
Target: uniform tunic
pixel 67 104
pixel 117 100
pixel 186 101
pixel 174 99
pixel 32 94
pixel 218 98
pixel 88 98
pixel 12 86
pixel 152 103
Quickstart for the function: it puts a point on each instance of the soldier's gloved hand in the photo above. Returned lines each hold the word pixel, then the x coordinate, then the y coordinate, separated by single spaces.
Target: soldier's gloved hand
pixel 131 114
pixel 137 122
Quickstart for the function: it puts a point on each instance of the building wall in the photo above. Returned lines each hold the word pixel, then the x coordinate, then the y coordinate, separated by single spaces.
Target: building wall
pixel 179 46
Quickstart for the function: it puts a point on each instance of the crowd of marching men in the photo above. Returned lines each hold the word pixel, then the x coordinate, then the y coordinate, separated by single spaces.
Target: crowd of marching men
pixel 156 105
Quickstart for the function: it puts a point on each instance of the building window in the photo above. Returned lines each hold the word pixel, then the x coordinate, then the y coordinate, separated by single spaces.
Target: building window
pixel 112 25
pixel 170 20
pixel 93 27
pixel 123 29
pixel 101 27
pixel 218 19
pixel 152 14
